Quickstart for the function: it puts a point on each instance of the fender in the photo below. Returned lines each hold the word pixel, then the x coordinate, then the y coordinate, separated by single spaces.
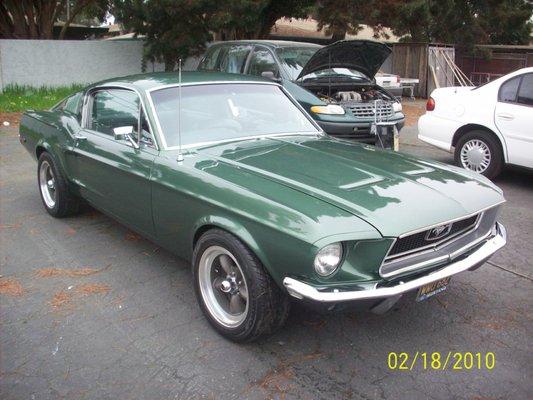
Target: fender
pixel 468 127
pixel 238 230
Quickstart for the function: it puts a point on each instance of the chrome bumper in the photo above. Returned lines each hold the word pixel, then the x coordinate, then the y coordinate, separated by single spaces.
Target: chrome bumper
pixel 495 242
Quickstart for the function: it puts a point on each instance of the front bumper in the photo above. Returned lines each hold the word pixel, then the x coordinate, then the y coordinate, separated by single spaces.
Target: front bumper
pixel 304 291
pixel 359 131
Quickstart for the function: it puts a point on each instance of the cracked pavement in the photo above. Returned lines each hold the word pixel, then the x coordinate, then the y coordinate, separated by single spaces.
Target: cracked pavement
pixel 90 310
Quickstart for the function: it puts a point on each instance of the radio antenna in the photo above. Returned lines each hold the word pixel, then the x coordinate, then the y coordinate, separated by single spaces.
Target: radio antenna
pixel 180 155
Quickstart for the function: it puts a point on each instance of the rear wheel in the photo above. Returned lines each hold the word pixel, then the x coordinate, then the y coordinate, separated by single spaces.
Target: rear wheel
pixel 236 294
pixel 57 199
pixel 480 152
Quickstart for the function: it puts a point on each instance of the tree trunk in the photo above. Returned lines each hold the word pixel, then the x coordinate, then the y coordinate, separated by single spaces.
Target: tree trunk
pixel 336 36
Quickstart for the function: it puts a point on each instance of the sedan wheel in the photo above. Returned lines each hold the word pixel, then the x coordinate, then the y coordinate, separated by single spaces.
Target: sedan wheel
pixel 223 286
pixel 479 151
pixel 475 156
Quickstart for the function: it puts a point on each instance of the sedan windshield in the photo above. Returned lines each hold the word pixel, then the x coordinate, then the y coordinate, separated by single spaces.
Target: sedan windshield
pixel 294 58
pixel 218 112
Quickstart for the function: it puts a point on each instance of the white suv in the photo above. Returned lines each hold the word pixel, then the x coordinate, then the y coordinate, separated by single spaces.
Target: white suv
pixel 489 126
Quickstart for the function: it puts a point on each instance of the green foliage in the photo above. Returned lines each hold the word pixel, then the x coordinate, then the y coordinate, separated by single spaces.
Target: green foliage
pixel 252 19
pixel 340 17
pixel 174 29
pixel 464 22
pixel 177 29
pixel 20 98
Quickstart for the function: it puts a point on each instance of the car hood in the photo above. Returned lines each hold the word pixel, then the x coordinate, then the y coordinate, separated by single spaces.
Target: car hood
pixel 394 193
pixel 364 56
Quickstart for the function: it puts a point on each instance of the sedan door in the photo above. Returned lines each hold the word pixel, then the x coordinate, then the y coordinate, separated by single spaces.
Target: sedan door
pixel 514 118
pixel 114 173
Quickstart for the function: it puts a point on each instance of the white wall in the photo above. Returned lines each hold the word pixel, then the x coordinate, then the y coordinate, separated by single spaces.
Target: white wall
pixel 52 63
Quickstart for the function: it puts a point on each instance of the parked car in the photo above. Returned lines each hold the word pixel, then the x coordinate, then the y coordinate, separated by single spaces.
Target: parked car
pixel 486 126
pixel 231 174
pixel 335 84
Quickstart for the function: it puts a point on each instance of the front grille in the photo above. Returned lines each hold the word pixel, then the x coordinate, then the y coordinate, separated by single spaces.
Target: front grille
pixel 367 110
pixel 418 241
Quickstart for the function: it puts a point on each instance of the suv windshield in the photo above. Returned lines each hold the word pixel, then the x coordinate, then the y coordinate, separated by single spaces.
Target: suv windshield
pixel 294 58
pixel 219 112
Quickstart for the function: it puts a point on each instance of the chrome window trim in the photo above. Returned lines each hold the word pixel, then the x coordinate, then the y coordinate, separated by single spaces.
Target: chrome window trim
pixel 199 144
pixel 438 244
pixel 88 94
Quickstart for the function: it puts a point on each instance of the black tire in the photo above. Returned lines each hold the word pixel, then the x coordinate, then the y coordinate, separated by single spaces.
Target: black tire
pixel 65 203
pixel 267 305
pixel 496 163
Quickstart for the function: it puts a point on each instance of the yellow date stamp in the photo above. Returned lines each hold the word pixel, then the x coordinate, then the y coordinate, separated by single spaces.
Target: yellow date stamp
pixel 437 361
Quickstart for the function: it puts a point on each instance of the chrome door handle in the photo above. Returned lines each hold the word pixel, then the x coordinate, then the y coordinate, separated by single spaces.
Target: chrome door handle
pixel 505 117
pixel 80 137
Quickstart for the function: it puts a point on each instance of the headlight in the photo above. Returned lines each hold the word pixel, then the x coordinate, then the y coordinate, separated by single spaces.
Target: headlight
pixel 331 109
pixel 328 259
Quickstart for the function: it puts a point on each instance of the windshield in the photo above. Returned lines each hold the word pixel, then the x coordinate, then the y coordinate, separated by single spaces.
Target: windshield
pixel 294 58
pixel 211 113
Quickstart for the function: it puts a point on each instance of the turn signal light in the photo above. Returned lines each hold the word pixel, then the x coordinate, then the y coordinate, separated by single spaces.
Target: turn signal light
pixel 430 104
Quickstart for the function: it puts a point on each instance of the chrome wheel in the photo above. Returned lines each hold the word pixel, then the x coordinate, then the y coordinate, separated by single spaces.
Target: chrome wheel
pixel 223 286
pixel 475 155
pixel 47 184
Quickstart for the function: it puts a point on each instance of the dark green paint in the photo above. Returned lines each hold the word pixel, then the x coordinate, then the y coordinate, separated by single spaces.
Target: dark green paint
pixel 284 197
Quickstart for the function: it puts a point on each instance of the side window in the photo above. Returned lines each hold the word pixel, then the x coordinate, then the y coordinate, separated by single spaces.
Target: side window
pixel 113 108
pixel 235 59
pixel 263 61
pixel 144 131
pixel 508 90
pixel 525 93
pixel 209 62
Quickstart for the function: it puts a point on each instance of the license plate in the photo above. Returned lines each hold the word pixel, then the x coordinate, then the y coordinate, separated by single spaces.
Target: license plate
pixel 431 289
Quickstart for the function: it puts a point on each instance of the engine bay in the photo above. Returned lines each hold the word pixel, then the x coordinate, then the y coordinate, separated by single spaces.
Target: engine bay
pixel 364 94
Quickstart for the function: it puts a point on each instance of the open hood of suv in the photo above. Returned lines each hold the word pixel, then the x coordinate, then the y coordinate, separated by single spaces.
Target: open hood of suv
pixel 364 56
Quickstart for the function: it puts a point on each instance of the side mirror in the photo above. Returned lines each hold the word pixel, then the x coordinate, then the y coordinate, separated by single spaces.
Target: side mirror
pixel 124 133
pixel 270 75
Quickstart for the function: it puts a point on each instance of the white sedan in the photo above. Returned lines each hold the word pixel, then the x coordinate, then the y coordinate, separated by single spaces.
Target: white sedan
pixel 489 125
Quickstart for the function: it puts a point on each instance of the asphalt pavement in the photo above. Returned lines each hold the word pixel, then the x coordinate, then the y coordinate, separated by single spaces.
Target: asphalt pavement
pixel 90 310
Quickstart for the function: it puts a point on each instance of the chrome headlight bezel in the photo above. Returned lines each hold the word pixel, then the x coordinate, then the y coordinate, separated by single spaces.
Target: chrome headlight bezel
pixel 328 259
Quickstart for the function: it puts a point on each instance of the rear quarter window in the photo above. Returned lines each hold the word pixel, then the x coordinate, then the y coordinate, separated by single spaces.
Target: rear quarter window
pixel 508 90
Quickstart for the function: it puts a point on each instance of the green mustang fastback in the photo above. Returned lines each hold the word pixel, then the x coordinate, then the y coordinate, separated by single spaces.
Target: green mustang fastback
pixel 229 172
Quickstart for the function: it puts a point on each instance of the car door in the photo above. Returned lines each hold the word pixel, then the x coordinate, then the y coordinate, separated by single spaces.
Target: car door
pixel 514 118
pixel 114 174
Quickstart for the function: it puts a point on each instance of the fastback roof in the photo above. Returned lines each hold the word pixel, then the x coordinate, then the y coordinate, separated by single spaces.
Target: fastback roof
pixel 155 79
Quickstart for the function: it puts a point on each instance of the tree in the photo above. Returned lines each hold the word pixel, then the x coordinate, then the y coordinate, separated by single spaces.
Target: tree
pixel 463 22
pixel 173 29
pixel 87 9
pixel 34 19
pixel 340 17
pixel 253 19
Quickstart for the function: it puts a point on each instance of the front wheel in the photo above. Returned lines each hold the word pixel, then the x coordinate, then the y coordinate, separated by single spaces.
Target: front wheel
pixel 236 294
pixel 480 152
